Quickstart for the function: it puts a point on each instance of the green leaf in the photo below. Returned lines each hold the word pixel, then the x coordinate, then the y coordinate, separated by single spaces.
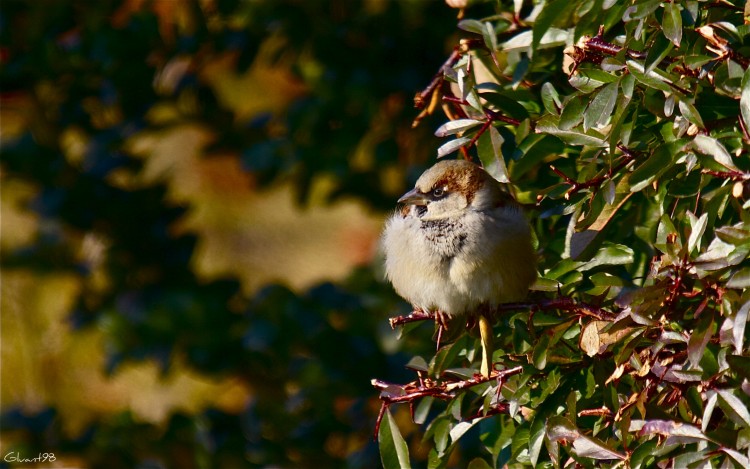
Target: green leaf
pixel 531 151
pixel 461 428
pixel 572 113
pixel 611 254
pixel 583 242
pixel 571 137
pixel 651 79
pixel 734 407
pixel 740 279
pixel 423 410
pixel 456 126
pixel 439 430
pixel 640 10
pixel 745 99
pixel 536 438
pixel 660 161
pixel 478 463
pixel 550 98
pixel 552 10
pixel 589 447
pixel 739 365
pixel 699 339
pixel 489 36
pixel 489 150
pixel 628 84
pixel 451 146
pixel 553 37
pixel 472 26
pixel 697 228
pixel 600 108
pixel 394 454
pixel 737 457
pixel 539 355
pixel 690 112
pixel 644 455
pixel 417 363
pixel 561 428
pixel 708 410
pixel 672 23
pixel 507 105
pixel 740 322
pixel 712 147
pixel 660 48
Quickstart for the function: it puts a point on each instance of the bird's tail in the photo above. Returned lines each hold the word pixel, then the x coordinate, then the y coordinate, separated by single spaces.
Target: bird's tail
pixel 486 335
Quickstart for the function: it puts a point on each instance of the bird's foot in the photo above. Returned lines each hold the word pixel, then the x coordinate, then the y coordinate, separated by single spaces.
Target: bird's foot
pixel 441 319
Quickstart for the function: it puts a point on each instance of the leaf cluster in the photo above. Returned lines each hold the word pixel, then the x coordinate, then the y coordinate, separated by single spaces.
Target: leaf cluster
pixel 623 125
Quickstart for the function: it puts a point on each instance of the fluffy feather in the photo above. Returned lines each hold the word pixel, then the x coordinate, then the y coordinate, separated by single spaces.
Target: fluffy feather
pixel 471 247
pixel 459 246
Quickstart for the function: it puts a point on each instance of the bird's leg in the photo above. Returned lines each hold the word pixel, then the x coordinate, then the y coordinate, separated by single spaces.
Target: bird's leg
pixel 439 336
pixel 442 318
pixel 486 337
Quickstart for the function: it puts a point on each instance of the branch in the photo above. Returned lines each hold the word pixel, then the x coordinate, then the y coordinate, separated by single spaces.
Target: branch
pixel 576 186
pixel 720 46
pixel 595 49
pixel 430 93
pixel 732 175
pixel 444 390
pixel 562 303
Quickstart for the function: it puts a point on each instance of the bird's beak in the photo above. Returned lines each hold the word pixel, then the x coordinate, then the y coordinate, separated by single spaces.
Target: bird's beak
pixel 414 197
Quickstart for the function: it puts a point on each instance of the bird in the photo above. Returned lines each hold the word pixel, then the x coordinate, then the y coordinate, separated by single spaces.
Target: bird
pixel 458 246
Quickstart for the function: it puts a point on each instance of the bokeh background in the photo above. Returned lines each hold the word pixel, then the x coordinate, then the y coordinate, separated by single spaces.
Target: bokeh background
pixel 192 193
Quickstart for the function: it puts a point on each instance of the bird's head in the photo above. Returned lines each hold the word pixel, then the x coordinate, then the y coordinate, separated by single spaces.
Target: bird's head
pixel 450 188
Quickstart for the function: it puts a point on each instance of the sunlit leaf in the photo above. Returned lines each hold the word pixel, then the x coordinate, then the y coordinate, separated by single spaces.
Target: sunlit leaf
pixel 545 19
pixel 451 146
pixel 550 98
pixel 394 454
pixel 489 149
pixel 572 137
pixel 734 407
pixel 598 111
pixel 740 323
pixel 553 37
pixel 593 448
pixel 672 24
pixel 651 79
pixel 690 112
pixel 740 279
pixel 697 228
pixel 712 147
pixel 456 126
pixel 745 99
pixel 572 113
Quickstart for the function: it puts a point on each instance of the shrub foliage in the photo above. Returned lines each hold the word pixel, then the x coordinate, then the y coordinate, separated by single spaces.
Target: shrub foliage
pixel 625 126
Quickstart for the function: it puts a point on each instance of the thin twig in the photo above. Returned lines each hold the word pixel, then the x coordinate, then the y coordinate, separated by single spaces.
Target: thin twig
pixel 445 390
pixel 562 303
pixel 732 175
pixel 575 186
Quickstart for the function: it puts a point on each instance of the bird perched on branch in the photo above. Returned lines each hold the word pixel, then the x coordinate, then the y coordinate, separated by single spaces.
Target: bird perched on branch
pixel 458 246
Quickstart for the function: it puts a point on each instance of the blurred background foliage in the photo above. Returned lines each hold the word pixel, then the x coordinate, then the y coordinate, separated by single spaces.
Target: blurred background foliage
pixel 192 193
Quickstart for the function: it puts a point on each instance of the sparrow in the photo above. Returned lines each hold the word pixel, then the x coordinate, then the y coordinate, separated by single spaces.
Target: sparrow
pixel 459 246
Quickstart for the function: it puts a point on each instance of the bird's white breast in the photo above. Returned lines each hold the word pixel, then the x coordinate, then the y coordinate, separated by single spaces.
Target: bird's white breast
pixel 481 259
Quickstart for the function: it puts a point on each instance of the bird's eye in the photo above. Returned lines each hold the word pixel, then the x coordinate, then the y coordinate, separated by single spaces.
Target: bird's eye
pixel 438 192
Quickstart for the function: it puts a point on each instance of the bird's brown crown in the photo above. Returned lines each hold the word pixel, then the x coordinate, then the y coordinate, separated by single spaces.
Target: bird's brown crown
pixel 455 176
